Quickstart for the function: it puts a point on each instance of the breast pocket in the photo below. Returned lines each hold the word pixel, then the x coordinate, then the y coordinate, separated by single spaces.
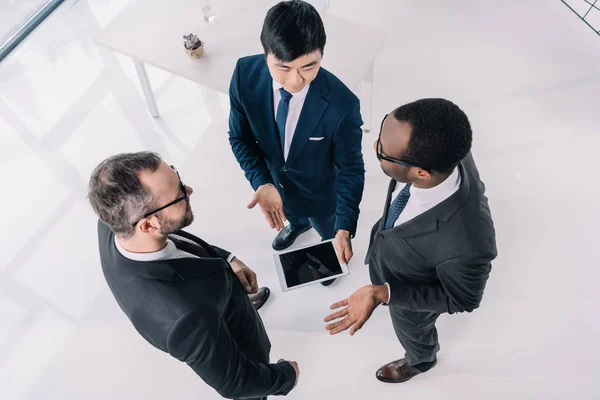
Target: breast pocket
pixel 411 253
pixel 414 265
pixel 316 158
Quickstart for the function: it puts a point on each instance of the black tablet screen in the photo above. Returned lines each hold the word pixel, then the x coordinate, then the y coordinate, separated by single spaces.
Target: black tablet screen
pixel 310 264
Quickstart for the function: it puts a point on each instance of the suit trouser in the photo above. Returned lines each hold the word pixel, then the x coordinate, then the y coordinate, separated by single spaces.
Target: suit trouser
pixel 325 226
pixel 418 335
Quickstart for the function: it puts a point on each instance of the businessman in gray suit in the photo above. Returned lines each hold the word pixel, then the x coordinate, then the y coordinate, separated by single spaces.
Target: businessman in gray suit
pixel 431 252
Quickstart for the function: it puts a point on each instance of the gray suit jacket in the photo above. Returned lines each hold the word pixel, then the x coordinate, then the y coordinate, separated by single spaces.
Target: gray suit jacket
pixel 440 260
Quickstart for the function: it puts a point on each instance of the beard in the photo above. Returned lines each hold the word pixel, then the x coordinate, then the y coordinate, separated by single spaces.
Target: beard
pixel 169 226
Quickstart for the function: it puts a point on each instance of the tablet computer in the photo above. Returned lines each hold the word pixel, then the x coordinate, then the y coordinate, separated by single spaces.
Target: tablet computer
pixel 308 265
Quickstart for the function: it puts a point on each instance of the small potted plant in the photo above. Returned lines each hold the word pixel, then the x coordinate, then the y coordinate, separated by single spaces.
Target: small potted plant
pixel 193 46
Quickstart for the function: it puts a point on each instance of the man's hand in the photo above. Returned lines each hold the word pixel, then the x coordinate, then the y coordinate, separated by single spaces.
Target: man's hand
pixel 294 364
pixel 269 200
pixel 359 308
pixel 343 246
pixel 245 275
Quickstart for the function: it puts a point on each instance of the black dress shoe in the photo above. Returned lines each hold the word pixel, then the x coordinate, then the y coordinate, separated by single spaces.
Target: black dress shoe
pixel 398 371
pixel 327 283
pixel 260 298
pixel 286 237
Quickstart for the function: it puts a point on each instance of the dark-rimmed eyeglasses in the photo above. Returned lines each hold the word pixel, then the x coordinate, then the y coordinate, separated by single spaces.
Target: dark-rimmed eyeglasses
pixel 381 156
pixel 177 200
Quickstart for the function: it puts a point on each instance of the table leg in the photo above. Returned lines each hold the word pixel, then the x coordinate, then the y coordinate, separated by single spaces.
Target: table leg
pixel 148 94
pixel 367 99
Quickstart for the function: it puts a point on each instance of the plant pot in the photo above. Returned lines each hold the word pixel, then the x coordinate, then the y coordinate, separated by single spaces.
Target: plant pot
pixel 195 53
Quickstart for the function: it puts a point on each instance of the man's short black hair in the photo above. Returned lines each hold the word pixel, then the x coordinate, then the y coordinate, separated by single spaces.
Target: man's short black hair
pixel 292 29
pixel 441 134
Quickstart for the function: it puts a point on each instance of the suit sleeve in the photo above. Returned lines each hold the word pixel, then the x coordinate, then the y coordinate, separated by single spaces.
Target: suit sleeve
pixel 242 139
pixel 349 162
pixel 460 288
pixel 205 344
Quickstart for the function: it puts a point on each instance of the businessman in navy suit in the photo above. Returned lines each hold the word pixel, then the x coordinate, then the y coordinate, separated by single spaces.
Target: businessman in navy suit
pixel 295 129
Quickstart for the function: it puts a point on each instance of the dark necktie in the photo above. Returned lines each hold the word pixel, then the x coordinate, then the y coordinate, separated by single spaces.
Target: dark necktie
pixel 282 113
pixel 397 206
pixel 191 248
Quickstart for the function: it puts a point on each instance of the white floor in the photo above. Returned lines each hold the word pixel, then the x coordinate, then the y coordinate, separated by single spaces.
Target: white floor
pixel 525 72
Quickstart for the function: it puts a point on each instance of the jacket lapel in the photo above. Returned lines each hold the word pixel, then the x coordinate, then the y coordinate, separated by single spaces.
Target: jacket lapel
pixel 428 221
pixel 198 241
pixel 191 268
pixel 420 225
pixel 188 268
pixel 388 201
pixel 265 107
pixel 314 106
pixel 381 223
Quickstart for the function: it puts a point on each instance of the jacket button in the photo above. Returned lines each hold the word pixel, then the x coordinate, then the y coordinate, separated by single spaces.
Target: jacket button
pixel 285 170
pixel 381 235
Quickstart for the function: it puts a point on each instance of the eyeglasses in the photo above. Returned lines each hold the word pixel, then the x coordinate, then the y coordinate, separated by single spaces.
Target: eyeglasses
pixel 177 200
pixel 381 156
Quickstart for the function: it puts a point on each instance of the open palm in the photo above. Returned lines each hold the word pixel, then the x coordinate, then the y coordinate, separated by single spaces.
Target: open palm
pixel 358 309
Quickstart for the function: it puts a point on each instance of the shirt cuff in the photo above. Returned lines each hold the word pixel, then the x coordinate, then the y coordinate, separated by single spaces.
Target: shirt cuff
pixel 230 258
pixel 389 292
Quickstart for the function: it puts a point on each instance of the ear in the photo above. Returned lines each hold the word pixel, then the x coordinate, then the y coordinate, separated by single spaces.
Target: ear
pixel 148 225
pixel 423 174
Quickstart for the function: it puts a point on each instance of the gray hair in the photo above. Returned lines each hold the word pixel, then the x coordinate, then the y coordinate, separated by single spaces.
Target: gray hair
pixel 116 193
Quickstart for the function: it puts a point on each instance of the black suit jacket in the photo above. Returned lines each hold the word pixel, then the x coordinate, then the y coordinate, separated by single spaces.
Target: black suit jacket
pixel 324 172
pixel 197 311
pixel 440 260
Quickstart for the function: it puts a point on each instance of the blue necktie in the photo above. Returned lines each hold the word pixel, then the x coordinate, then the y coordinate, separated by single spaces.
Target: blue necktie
pixel 397 206
pixel 282 113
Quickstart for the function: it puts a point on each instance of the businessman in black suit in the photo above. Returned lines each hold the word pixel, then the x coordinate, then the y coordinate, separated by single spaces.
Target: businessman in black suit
pixel 431 252
pixel 295 130
pixel 184 296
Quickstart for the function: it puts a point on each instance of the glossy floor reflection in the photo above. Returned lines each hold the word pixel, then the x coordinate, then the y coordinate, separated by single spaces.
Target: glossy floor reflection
pixel 526 74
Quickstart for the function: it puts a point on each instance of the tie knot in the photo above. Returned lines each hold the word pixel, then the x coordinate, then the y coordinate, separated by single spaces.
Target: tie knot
pixel 285 96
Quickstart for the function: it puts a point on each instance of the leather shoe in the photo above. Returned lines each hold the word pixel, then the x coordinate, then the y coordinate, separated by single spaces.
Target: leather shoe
pixel 286 237
pixel 260 298
pixel 397 372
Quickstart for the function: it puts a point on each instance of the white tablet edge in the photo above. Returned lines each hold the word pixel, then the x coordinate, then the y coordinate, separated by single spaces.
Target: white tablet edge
pixel 281 274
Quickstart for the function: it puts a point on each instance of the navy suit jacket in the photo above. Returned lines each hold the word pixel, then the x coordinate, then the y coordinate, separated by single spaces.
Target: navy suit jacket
pixel 320 177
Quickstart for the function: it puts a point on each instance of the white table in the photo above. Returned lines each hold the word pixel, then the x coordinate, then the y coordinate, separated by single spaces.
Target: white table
pixel 150 32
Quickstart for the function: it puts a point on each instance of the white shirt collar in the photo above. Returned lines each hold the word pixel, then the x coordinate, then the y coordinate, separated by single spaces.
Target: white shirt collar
pixel 436 193
pixel 167 253
pixel 301 95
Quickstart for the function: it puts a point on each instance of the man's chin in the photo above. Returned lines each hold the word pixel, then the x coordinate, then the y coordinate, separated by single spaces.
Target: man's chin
pixel 386 172
pixel 188 220
pixel 396 178
pixel 172 227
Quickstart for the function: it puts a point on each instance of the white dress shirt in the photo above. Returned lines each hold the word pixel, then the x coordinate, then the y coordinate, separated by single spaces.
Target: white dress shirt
pixel 296 103
pixel 422 200
pixel 169 252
